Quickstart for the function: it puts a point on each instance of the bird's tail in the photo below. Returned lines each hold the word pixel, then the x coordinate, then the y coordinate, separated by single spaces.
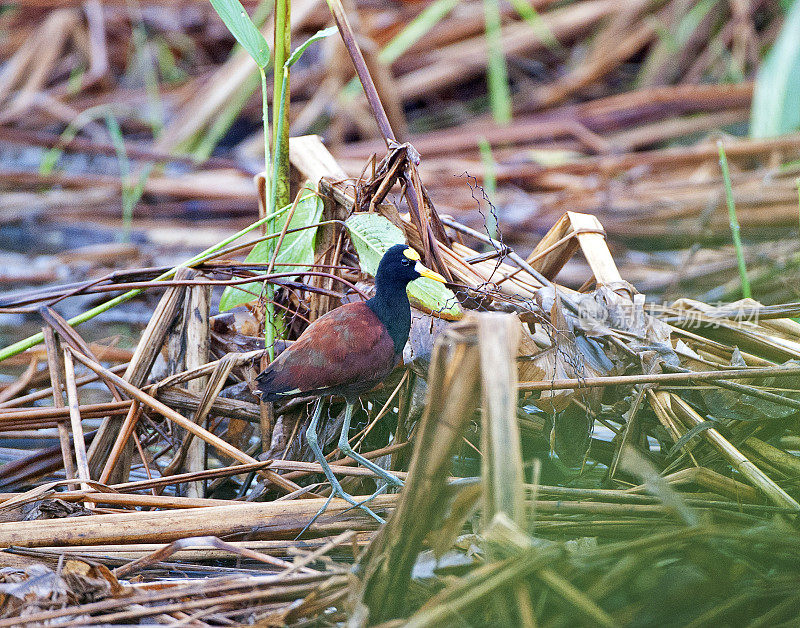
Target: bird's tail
pixel 269 387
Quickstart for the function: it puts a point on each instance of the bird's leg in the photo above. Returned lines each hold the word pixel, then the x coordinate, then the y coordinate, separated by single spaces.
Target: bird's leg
pixel 336 488
pixel 344 446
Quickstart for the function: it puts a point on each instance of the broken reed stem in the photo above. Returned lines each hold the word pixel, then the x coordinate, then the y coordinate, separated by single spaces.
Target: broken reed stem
pixel 198 334
pixel 199 552
pixel 46 392
pixel 736 459
pixel 757 392
pixel 56 414
pixel 207 474
pixel 734 221
pixel 75 419
pixel 125 431
pixel 661 378
pixel 257 520
pixel 55 367
pixel 139 367
pixel 452 397
pixel 521 263
pixel 213 592
pixel 502 468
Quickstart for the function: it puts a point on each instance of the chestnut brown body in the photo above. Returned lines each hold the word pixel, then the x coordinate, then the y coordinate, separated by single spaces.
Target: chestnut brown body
pixel 346 352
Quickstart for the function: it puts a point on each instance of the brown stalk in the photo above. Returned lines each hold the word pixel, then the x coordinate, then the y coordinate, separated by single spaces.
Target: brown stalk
pixel 21 383
pixel 75 418
pixel 197 330
pixel 662 378
pixel 263 520
pixel 204 406
pixel 208 541
pixel 738 460
pixel 423 215
pixel 74 341
pixel 47 392
pixel 498 338
pixel 127 428
pixel 110 435
pixel 55 366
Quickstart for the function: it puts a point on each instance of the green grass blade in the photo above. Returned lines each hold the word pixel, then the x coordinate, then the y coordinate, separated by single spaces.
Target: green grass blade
pixel 776 95
pixel 416 29
pixel 280 103
pixel 242 28
pixel 497 73
pixel 202 145
pixel 71 131
pixel 734 221
pixel 535 21
pixel 281 49
pixel 128 202
pixel 411 34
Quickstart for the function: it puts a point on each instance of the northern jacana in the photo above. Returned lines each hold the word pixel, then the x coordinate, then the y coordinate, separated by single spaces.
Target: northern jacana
pixel 347 352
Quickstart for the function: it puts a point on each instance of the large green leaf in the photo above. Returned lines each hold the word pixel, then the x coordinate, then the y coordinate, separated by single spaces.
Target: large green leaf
pixel 776 97
pixel 296 248
pixel 373 235
pixel 242 28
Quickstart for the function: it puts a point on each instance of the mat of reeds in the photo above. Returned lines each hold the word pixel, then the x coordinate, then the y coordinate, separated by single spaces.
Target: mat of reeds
pixel 596 421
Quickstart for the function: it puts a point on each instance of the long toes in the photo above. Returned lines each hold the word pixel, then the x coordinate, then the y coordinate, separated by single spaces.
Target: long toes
pixel 339 492
pixel 369 511
pixel 356 504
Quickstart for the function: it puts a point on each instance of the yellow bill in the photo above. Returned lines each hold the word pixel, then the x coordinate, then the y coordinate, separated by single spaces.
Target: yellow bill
pixel 427 272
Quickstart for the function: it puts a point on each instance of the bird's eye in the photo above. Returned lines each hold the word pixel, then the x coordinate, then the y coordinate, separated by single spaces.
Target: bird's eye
pixel 406 262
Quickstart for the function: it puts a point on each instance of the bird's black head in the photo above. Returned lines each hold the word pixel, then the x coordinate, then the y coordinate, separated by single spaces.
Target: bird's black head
pixel 401 265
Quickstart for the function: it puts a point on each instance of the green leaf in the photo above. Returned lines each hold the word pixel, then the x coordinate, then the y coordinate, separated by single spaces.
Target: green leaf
pixel 318 36
pixel 236 295
pixel 373 235
pixel 296 248
pixel 241 26
pixel 776 95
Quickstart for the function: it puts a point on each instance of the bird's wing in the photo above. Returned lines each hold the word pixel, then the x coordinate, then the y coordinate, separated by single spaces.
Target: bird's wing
pixel 346 346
